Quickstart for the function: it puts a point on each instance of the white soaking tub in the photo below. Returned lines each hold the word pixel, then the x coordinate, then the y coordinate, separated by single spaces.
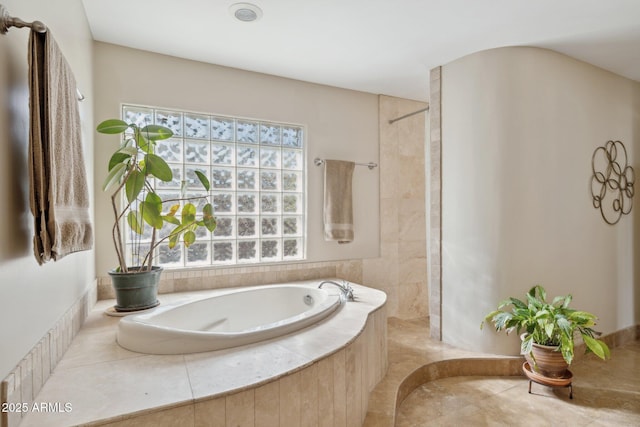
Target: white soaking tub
pixel 240 317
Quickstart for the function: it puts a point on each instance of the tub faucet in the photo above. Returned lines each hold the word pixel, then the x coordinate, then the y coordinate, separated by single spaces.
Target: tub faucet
pixel 345 287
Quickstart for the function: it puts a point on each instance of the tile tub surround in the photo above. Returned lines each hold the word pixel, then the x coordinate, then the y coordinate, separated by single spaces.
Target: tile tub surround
pixel 194 279
pixel 25 381
pixel 322 374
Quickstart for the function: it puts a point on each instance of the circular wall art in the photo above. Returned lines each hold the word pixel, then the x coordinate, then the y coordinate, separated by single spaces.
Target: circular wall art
pixel 612 181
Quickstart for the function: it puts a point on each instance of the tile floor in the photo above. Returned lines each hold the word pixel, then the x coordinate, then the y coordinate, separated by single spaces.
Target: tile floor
pixel 409 349
pixel 605 393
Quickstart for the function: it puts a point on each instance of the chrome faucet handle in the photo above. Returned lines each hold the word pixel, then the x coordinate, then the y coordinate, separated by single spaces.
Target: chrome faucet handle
pixel 345 288
pixel 348 290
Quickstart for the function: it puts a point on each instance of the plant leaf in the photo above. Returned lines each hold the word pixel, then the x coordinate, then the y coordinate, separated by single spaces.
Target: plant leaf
pixel 155 199
pixel 515 301
pixel 526 345
pixel 144 144
pixel 189 238
pixel 566 348
pixel 537 293
pixel 567 301
pixel 173 240
pixel 548 329
pixel 151 214
pixel 204 180
pixel 112 126
pixel 134 185
pixel 174 209
pixel 156 166
pixel 131 151
pixel 171 219
pixel 599 348
pixel 134 220
pixel 582 318
pixel 114 176
pixel 118 157
pixel 188 213
pixel 564 325
pixel 152 210
pixel 156 132
pixel 208 219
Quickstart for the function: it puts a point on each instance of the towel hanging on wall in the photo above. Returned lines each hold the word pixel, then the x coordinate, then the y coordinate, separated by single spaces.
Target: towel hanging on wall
pixel 59 195
pixel 338 201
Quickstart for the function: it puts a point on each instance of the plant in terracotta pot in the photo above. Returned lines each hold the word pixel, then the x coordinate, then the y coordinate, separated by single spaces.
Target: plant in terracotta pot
pixel 132 169
pixel 549 330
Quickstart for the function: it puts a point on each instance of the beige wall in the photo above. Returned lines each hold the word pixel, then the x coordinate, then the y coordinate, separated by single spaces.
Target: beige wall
pixel 32 297
pixel 401 271
pixel 390 229
pixel 519 126
pixel 341 124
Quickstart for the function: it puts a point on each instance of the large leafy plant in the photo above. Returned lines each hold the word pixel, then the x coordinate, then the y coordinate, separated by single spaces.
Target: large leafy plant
pixel 551 324
pixel 131 170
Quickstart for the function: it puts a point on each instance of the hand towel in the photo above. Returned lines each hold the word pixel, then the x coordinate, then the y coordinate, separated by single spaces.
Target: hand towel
pixel 59 195
pixel 338 202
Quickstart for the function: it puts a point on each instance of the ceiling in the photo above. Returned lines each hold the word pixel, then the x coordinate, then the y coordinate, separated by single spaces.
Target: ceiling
pixel 377 46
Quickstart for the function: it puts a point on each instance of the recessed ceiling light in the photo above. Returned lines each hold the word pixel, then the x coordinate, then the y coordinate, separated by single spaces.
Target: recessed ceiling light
pixel 246 12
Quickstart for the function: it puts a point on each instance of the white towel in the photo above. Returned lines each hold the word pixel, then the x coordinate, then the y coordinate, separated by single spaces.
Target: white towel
pixel 59 195
pixel 338 203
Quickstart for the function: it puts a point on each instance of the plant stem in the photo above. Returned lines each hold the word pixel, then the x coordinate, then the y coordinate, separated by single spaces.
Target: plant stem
pixel 151 248
pixel 117 238
pixel 116 233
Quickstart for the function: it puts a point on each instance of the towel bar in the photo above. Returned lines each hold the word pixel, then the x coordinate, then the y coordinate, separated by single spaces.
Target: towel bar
pixel 319 162
pixel 7 21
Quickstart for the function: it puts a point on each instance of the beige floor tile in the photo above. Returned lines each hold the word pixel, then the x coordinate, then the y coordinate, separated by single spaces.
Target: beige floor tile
pixel 605 394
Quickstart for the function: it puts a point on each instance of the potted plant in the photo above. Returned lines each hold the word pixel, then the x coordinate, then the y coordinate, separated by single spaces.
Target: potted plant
pixel 549 330
pixel 132 167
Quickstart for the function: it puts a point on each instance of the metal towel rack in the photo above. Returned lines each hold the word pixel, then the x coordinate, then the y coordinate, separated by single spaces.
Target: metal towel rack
pixel 319 162
pixel 7 21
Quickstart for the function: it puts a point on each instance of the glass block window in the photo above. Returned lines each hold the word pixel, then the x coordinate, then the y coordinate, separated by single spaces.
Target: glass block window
pixel 257 174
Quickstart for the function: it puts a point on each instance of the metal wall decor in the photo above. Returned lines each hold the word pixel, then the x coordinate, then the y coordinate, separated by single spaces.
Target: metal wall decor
pixel 612 181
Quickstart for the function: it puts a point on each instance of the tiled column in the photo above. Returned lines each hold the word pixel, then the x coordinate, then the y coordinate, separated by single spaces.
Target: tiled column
pixel 401 270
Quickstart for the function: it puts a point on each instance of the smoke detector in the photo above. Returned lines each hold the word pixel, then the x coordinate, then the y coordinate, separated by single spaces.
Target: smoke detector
pixel 245 12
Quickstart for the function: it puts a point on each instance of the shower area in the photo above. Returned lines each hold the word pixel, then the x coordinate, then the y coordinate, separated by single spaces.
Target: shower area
pixel 401 271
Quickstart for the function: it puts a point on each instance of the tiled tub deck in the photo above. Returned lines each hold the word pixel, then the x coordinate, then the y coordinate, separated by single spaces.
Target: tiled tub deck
pixel 322 375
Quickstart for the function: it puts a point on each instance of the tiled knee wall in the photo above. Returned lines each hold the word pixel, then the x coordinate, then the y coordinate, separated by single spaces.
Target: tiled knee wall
pixel 331 392
pixel 23 384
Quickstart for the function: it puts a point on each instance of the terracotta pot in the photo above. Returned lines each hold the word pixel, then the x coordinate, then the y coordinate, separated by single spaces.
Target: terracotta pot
pixel 548 361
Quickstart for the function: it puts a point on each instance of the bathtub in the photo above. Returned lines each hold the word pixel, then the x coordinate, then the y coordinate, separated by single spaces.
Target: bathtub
pixel 242 316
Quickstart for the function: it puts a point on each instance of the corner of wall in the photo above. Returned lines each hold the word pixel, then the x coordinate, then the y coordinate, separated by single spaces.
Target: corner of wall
pixel 434 219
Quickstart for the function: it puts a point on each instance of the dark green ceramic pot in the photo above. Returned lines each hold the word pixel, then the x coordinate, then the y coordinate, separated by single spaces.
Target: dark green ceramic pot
pixel 136 290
